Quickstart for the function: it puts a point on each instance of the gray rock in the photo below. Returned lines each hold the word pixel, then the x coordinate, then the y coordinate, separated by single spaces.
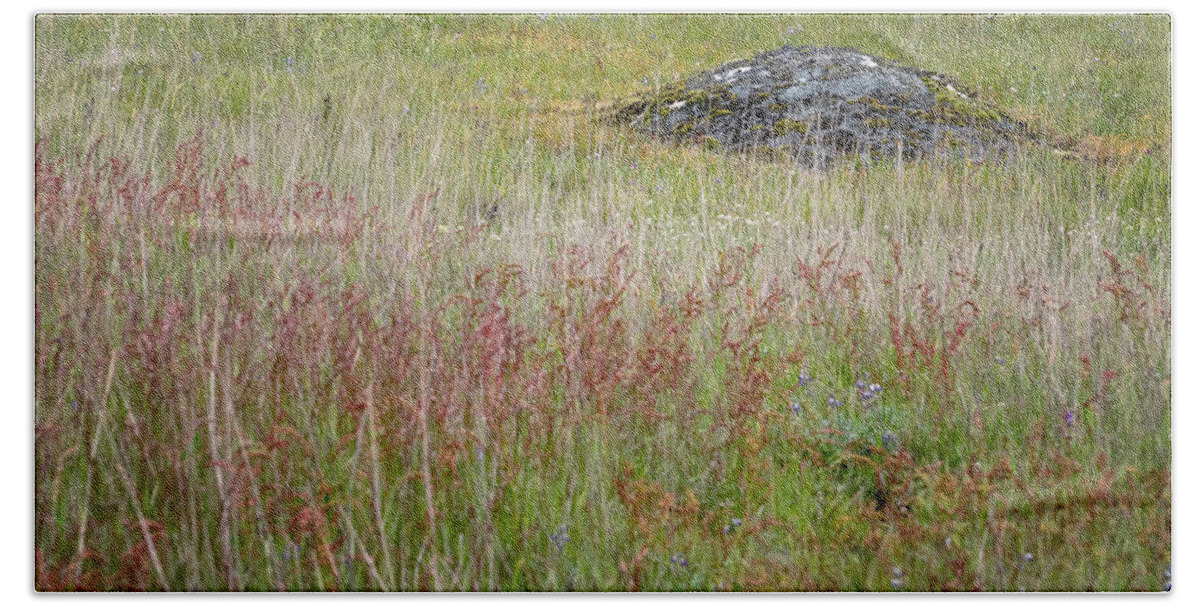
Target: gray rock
pixel 819 104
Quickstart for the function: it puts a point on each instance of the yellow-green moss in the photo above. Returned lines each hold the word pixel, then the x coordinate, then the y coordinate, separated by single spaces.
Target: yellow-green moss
pixel 952 108
pixel 873 103
pixel 950 141
pixel 786 125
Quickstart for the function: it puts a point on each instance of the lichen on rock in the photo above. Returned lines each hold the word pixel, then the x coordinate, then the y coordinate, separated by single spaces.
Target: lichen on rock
pixel 821 104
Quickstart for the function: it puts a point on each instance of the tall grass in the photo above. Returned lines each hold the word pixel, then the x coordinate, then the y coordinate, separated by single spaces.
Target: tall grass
pixel 380 324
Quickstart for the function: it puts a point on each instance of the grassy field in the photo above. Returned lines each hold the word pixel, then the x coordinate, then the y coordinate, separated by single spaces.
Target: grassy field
pixel 367 302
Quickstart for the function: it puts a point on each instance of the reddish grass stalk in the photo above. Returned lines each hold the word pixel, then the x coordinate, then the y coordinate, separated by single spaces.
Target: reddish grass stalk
pixel 215 453
pixel 91 465
pixel 424 399
pixel 362 548
pixel 377 487
pixel 147 536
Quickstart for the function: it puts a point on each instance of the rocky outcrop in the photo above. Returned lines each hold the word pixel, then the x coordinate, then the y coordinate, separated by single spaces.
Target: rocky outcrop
pixel 820 104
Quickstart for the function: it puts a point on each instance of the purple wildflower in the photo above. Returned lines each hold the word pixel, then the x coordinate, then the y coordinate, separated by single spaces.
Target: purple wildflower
pixel 803 379
pixel 560 538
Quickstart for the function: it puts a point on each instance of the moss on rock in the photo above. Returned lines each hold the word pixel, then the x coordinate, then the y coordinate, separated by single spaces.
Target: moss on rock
pixel 844 102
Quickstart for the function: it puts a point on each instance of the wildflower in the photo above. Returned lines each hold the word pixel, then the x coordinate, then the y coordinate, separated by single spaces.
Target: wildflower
pixel 795 407
pixel 560 537
pixel 733 525
pixel 1069 418
pixel 897 572
pixel 679 560
pixel 287 553
pixel 196 57
pixel 1028 557
pixel 867 391
pixel 833 402
pixel 803 379
pixel 897 583
pixel 889 440
pixel 947 542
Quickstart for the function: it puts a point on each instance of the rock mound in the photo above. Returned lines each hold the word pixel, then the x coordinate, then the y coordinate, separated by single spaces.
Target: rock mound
pixel 820 104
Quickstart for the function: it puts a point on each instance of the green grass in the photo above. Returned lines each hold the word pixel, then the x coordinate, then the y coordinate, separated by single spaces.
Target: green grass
pixel 497 314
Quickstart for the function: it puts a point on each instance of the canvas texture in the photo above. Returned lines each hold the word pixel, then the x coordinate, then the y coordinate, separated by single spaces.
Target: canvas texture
pixel 602 302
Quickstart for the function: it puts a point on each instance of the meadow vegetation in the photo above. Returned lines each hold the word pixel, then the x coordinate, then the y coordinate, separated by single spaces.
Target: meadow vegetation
pixel 381 303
